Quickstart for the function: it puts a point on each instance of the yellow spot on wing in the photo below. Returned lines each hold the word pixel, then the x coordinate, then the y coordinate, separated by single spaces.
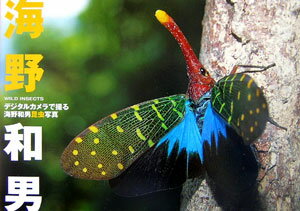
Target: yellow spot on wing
pixel 231 107
pixel 217 95
pixel 100 166
pixel 178 112
pixel 222 106
pixel 157 112
pixel 230 88
pixel 94 129
pixel 255 123
pixel 156 101
pixel 257 92
pixel 164 126
pixel 119 129
pixel 103 173
pixel 239 95
pixel 120 166
pixel 249 97
pixel 131 149
pixel 93 152
pixel 173 102
pixel 251 129
pixel 137 115
pixel 84 170
pixel 243 77
pixel 135 107
pixel 227 78
pixel 249 83
pixel 250 112
pixel 264 105
pixel 150 143
pixel 257 110
pixel 233 77
pixel 242 117
pixel 96 140
pixel 229 119
pixel 78 140
pixel 114 116
pixel 75 152
pixel 224 87
pixel 140 135
pixel 114 152
pixel 76 163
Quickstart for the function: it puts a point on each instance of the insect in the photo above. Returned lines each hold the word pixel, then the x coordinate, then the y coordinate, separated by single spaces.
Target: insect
pixel 158 144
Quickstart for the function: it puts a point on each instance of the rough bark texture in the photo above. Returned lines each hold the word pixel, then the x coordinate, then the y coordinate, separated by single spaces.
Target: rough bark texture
pixel 259 32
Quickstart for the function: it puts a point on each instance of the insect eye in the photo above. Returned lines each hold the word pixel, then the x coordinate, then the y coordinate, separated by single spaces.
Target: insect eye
pixel 204 72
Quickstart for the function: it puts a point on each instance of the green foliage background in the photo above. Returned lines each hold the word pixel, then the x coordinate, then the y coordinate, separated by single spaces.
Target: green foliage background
pixel 118 55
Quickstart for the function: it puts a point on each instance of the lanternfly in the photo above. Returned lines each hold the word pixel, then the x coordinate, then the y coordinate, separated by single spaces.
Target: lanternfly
pixel 158 144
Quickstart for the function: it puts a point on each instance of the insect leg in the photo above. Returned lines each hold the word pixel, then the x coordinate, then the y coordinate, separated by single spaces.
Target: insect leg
pixel 262 68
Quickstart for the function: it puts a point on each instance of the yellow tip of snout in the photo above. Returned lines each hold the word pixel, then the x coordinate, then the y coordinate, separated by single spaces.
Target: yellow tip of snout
pixel 162 16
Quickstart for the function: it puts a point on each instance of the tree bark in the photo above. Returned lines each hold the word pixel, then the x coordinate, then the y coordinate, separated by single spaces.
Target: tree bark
pixel 259 32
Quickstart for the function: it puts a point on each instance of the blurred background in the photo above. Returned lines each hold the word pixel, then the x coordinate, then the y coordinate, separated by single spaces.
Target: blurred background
pixel 99 57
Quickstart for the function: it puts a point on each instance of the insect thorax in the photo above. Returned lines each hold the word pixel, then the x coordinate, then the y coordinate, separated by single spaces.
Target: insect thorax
pixel 199 109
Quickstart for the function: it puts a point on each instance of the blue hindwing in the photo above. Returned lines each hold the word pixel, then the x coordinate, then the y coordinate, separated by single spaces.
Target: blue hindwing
pixel 187 133
pixel 214 126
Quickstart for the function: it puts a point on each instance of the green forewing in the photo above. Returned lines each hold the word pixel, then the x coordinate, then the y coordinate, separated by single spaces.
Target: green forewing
pixel 242 104
pixel 105 149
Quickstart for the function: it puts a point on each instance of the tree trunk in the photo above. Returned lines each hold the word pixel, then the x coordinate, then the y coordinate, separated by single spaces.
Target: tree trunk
pixel 259 32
